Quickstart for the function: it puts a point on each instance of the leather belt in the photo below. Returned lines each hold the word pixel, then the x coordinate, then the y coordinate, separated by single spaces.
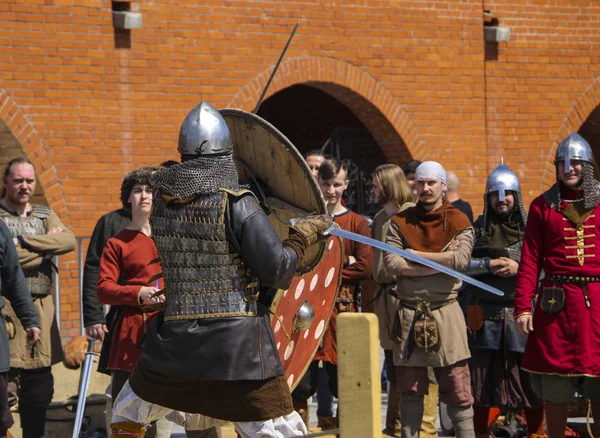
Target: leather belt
pixel 421 306
pixel 579 281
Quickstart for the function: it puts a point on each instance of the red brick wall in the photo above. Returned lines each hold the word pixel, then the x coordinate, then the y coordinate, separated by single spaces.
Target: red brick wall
pixel 417 74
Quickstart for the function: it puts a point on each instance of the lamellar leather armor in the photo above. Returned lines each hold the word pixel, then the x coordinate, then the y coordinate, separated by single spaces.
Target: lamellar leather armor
pixel 39 281
pixel 203 276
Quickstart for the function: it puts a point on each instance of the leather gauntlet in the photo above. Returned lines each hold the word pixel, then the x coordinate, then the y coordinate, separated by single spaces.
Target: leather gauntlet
pixel 307 232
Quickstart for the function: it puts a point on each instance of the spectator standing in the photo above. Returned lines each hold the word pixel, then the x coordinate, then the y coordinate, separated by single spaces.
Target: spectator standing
pixel 39 235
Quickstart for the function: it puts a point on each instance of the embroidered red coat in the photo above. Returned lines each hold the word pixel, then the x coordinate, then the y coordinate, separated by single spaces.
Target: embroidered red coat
pixel 351 275
pixel 129 261
pixel 567 343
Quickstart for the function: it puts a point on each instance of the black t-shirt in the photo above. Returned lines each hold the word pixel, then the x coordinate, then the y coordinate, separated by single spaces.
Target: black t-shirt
pixel 464 207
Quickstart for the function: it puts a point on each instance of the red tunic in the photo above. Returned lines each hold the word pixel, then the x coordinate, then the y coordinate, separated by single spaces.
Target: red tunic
pixel 129 258
pixel 351 274
pixel 567 343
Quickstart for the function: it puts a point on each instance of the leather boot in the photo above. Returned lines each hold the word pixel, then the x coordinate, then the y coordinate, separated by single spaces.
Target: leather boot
pixel 556 419
pixel 535 422
pixel 481 416
pixel 127 429
pixel 462 420
pixel 301 406
pixel 430 410
pixel 392 418
pixel 411 408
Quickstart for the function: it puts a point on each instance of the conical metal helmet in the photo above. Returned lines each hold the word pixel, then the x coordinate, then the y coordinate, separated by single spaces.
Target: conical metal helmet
pixel 204 133
pixel 573 147
pixel 501 180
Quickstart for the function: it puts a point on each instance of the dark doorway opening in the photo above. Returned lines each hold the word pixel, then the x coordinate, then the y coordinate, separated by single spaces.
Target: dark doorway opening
pixel 312 118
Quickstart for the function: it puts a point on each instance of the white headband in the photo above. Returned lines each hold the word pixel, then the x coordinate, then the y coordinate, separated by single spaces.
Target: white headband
pixel 430 170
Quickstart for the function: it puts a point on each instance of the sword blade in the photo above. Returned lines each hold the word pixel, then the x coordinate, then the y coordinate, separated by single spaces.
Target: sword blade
pixel 86 371
pixel 336 231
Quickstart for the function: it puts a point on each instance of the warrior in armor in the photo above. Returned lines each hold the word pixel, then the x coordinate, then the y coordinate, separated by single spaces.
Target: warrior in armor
pixel 389 189
pixel 38 235
pixel 561 237
pixel 430 327
pixel 212 351
pixel 496 345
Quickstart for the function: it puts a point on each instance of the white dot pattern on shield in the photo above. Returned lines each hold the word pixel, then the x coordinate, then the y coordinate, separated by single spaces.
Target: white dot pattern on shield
pixel 290 380
pixel 306 332
pixel 331 244
pixel 313 282
pixel 278 345
pixel 329 277
pixel 278 325
pixel 299 289
pixel 285 292
pixel 319 329
pixel 288 350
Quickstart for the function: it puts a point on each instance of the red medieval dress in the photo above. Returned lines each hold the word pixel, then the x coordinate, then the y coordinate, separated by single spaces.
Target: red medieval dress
pixel 129 261
pixel 566 343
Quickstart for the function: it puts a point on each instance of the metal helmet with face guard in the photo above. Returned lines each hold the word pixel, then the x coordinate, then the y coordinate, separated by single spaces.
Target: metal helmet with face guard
pixel 502 180
pixel 573 147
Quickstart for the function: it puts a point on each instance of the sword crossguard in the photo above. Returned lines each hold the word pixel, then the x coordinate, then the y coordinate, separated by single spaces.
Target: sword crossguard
pixel 328 231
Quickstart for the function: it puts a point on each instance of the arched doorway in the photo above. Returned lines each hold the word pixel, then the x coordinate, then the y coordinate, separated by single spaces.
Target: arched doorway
pixel 590 130
pixel 340 122
pixel 11 148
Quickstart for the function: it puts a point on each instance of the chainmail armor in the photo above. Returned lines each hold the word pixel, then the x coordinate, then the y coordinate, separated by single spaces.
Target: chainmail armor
pixel 591 189
pixel 514 250
pixel 203 277
pixel 200 176
pixel 518 204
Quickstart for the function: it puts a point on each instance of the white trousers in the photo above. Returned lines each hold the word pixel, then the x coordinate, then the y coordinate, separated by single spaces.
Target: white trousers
pixel 130 408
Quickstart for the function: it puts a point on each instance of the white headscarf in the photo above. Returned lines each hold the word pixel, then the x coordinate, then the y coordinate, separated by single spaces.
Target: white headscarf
pixel 430 170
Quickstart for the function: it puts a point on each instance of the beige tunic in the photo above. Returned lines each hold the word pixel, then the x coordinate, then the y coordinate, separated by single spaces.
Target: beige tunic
pixel 453 346
pixel 385 304
pixel 48 350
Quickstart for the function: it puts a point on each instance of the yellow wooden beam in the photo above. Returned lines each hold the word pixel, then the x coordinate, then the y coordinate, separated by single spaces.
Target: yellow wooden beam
pixel 359 382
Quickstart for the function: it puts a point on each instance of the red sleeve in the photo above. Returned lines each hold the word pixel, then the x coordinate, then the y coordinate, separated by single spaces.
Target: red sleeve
pixel 532 257
pixel 108 289
pixel 361 270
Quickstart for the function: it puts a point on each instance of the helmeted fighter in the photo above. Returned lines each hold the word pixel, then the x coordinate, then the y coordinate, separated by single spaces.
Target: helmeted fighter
pixel 496 345
pixel 212 352
pixel 562 237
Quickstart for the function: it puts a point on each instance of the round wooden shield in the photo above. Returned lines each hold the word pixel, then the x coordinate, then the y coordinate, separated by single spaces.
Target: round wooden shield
pixel 319 289
pixel 276 172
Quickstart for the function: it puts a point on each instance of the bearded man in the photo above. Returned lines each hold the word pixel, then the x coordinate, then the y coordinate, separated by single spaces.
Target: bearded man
pixel 212 351
pixel 496 346
pixel 38 235
pixel 561 237
pixel 430 328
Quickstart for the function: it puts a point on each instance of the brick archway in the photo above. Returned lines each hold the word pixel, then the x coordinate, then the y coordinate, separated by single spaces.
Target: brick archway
pixel 36 151
pixel 583 107
pixel 393 129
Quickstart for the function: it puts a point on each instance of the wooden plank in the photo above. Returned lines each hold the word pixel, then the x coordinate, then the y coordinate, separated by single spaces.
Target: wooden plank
pixel 358 375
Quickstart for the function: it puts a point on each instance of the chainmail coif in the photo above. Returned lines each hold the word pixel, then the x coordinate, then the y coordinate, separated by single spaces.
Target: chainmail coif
pixel 591 189
pixel 200 176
